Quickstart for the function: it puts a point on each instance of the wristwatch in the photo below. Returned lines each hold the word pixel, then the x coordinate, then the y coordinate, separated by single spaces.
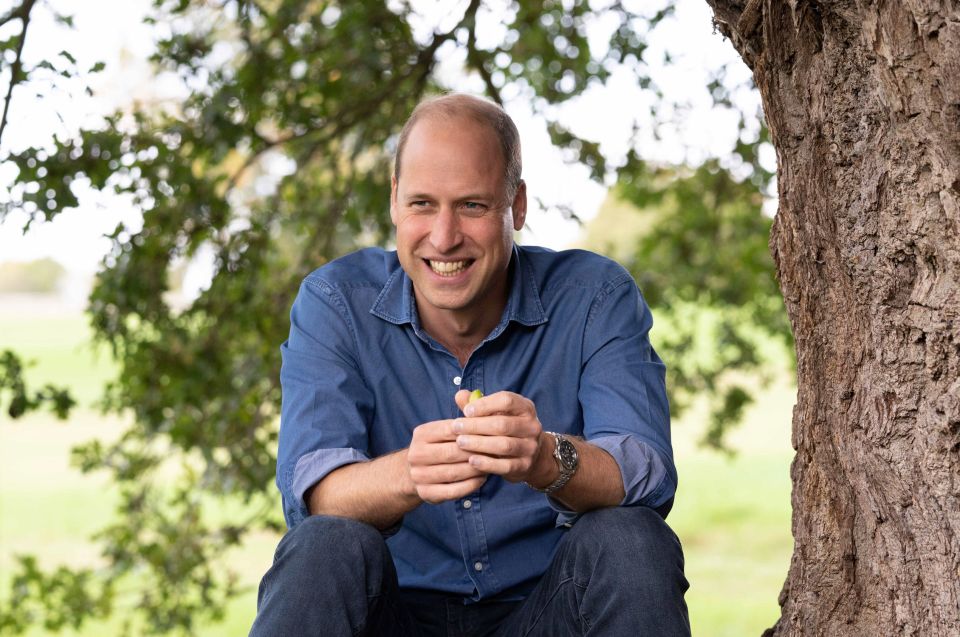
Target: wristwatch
pixel 565 453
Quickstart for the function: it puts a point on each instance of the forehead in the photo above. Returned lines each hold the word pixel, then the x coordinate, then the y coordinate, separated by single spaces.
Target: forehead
pixel 451 148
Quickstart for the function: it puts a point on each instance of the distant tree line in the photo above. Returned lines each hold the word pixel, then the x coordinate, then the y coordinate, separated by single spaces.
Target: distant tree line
pixel 40 276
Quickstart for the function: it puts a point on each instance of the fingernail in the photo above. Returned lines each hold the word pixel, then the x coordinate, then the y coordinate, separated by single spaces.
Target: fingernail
pixel 457 426
pixel 463 440
pixel 468 410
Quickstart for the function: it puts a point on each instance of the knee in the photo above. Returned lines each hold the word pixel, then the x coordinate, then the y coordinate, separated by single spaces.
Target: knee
pixel 629 539
pixel 628 565
pixel 323 542
pixel 325 569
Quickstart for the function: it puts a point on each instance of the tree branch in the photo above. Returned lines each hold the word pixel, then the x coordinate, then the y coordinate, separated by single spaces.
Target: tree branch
pixel 474 56
pixel 13 14
pixel 23 12
pixel 424 62
pixel 267 145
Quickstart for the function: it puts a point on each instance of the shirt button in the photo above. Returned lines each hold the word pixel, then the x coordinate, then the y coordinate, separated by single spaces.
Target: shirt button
pixel 456 380
pixel 477 566
pixel 467 504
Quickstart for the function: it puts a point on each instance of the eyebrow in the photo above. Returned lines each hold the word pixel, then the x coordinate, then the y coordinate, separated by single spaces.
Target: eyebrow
pixel 468 197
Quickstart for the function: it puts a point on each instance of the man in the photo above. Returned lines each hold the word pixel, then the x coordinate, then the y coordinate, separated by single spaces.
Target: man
pixel 533 510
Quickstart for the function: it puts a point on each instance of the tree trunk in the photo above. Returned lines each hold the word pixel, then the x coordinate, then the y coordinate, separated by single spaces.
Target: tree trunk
pixel 863 104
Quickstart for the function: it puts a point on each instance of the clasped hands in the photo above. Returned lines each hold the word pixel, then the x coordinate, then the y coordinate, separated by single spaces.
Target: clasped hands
pixel 498 434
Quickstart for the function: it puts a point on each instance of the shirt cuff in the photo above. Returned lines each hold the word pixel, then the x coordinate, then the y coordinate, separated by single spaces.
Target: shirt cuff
pixel 313 467
pixel 645 477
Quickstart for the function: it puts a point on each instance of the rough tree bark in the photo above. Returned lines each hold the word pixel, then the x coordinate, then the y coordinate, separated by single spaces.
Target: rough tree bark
pixel 863 103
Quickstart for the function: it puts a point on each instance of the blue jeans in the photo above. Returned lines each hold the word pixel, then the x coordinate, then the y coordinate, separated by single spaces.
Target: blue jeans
pixel 617 572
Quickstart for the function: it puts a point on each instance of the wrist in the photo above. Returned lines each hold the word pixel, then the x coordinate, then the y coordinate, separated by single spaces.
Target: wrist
pixel 545 470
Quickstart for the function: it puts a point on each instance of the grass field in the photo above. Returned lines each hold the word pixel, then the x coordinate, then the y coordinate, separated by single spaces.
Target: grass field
pixel 732 514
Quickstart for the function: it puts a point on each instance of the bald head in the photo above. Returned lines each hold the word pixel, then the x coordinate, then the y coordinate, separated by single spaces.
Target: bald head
pixel 481 111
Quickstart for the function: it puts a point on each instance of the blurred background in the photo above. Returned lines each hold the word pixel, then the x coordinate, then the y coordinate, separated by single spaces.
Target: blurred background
pixel 169 172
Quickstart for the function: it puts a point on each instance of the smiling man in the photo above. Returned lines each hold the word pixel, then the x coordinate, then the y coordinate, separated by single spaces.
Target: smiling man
pixel 537 509
pixel 455 213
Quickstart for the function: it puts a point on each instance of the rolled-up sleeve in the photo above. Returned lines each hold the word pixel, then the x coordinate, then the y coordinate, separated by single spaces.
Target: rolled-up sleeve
pixel 326 405
pixel 623 396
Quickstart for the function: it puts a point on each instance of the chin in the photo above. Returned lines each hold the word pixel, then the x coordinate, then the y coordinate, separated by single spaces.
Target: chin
pixel 447 303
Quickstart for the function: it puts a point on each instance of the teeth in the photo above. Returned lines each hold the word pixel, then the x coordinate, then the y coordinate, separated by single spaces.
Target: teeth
pixel 447 268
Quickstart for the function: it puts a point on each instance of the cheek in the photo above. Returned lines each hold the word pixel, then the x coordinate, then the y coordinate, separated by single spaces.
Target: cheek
pixel 504 236
pixel 409 231
pixel 495 234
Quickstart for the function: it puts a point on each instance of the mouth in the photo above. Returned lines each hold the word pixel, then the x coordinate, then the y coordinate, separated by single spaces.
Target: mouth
pixel 448 268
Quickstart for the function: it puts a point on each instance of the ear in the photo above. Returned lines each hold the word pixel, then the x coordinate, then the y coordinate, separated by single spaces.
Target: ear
pixel 520 206
pixel 394 209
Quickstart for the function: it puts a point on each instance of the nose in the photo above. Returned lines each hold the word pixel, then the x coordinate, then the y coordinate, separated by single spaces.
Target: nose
pixel 445 234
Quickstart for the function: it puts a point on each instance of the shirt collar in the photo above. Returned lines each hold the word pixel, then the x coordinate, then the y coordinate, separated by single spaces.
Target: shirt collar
pixel 396 304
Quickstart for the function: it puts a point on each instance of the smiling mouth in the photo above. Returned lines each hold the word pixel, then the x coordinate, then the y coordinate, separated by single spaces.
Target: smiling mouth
pixel 449 268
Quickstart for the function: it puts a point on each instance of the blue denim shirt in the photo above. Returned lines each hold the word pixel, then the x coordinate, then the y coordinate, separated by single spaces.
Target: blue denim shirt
pixel 359 374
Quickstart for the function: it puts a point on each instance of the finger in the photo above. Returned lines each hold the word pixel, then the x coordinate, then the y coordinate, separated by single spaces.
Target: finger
pixel 421 455
pixel 436 431
pixel 502 402
pixel 503 446
pixel 506 467
pixel 437 493
pixel 498 425
pixel 444 473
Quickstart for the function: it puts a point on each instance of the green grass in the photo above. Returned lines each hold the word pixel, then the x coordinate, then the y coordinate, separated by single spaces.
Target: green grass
pixel 732 514
pixel 732 518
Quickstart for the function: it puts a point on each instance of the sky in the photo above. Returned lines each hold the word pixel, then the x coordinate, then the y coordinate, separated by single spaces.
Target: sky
pixel 111 31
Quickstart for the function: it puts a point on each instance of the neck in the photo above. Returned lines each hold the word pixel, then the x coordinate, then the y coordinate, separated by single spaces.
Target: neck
pixel 461 331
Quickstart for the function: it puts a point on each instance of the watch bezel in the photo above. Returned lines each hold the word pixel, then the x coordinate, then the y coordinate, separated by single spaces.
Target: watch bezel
pixel 566 454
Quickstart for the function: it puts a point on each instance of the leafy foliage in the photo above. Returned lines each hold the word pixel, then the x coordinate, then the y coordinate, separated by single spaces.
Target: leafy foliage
pixel 705 268
pixel 277 161
pixel 62 598
pixel 46 75
pixel 21 399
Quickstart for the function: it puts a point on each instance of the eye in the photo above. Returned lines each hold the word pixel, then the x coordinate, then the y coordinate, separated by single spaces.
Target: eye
pixel 473 208
pixel 420 205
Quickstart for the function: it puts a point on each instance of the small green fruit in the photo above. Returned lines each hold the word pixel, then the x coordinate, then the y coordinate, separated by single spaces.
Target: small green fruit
pixel 476 393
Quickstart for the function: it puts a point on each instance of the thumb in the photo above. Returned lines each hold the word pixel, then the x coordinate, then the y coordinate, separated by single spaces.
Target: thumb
pixel 462 398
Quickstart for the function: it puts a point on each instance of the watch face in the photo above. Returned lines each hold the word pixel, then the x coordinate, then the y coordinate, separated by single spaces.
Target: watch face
pixel 567 454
